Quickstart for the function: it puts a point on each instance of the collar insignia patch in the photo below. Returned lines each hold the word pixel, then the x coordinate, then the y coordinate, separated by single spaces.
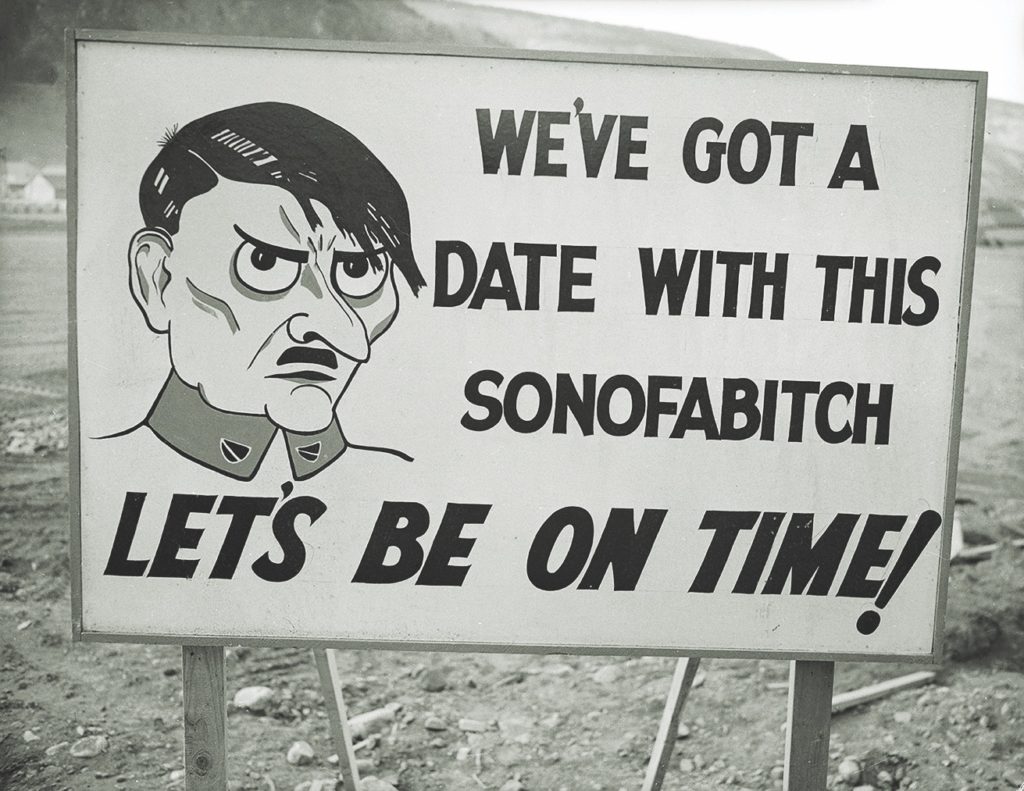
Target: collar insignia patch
pixel 233 452
pixel 309 452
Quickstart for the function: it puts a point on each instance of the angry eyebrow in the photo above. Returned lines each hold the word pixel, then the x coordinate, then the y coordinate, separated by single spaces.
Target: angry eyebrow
pixel 375 259
pixel 298 256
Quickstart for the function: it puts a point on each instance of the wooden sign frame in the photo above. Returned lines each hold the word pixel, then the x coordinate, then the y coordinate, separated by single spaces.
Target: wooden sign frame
pixel 81 630
pixel 203 677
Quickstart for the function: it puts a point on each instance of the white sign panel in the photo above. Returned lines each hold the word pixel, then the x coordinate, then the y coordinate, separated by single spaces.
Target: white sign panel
pixel 530 352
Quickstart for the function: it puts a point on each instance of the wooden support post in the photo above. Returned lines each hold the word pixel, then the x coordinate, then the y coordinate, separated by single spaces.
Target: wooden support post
pixel 206 756
pixel 330 684
pixel 807 730
pixel 682 681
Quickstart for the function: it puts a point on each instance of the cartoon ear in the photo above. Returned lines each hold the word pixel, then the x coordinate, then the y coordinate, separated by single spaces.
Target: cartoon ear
pixel 148 275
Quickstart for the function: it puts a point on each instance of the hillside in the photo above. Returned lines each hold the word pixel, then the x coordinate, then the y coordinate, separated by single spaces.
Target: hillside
pixel 32 62
pixel 32 44
pixel 31 40
pixel 1001 218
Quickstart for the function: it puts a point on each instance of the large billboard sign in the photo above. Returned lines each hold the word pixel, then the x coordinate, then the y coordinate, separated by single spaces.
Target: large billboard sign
pixel 493 350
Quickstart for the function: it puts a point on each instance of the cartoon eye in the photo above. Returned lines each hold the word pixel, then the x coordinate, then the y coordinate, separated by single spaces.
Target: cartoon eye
pixel 263 270
pixel 264 267
pixel 359 274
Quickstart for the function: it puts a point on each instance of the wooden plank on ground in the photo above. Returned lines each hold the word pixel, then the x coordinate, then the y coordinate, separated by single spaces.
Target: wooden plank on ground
pixel 682 682
pixel 972 553
pixel 847 700
pixel 205 718
pixel 330 684
pixel 807 730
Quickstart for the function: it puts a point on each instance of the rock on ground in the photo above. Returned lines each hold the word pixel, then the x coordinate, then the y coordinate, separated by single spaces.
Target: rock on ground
pixel 362 725
pixel 254 699
pixel 372 783
pixel 300 754
pixel 849 771
pixel 608 674
pixel 434 680
pixel 319 784
pixel 89 746
pixel 434 723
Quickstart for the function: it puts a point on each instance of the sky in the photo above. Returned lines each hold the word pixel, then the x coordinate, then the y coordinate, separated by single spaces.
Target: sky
pixel 974 35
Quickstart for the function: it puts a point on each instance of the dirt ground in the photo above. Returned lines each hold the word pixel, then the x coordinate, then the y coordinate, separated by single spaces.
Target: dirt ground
pixel 495 721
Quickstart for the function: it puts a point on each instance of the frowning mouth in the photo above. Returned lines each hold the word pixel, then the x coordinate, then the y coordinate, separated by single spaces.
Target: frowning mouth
pixel 303 376
pixel 307 355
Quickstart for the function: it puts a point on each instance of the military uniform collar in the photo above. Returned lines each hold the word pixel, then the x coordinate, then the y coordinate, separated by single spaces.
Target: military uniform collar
pixel 231 443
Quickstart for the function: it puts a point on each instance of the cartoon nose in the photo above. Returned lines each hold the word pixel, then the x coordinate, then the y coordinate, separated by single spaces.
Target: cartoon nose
pixel 335 324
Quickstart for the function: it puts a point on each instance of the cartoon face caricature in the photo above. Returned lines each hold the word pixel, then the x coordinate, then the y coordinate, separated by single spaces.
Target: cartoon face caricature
pixel 268 257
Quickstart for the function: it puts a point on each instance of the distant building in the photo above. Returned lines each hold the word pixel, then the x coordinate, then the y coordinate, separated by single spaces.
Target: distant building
pixel 39 189
pixel 18 175
pixel 27 189
pixel 49 185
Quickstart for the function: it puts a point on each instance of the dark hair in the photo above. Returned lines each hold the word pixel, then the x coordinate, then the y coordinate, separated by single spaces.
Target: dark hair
pixel 292 148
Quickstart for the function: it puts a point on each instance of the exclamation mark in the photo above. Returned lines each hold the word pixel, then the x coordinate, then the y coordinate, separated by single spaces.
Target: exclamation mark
pixel 927 524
